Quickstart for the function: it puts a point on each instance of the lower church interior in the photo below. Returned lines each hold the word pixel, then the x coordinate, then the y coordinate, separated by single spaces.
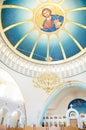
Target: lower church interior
pixel 42 65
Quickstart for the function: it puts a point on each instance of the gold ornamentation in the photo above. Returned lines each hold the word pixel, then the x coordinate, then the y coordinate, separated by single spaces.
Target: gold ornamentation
pixel 47 81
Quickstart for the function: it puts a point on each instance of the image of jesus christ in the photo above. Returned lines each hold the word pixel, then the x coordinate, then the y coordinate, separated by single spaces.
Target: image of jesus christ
pixel 52 22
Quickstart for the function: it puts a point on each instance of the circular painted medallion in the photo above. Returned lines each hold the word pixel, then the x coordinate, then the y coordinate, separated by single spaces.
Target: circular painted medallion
pixel 49 17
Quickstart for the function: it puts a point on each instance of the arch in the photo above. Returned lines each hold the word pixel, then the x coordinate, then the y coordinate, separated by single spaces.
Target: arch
pixel 4 112
pixel 5 116
pixel 11 97
pixel 15 117
pixel 52 97
pixel 71 115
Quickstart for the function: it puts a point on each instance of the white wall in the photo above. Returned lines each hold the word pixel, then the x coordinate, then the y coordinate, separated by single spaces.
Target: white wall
pixel 35 98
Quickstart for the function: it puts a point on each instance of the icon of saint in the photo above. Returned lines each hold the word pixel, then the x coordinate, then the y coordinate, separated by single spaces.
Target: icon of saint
pixel 52 22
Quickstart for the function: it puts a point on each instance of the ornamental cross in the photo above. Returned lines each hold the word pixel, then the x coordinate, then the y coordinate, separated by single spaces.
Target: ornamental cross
pixel 71 106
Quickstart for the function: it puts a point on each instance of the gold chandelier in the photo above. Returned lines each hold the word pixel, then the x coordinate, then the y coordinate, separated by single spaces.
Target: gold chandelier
pixel 47 81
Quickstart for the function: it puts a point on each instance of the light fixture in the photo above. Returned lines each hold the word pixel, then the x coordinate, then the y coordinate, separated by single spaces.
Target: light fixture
pixel 47 81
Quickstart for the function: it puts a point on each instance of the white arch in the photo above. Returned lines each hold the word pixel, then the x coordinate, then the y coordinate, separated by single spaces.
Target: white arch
pixel 53 95
pixel 72 117
pixel 11 97
pixel 15 117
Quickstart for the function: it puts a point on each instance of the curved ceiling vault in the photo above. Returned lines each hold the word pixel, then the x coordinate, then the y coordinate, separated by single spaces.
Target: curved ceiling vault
pixel 23 30
pixel 61 99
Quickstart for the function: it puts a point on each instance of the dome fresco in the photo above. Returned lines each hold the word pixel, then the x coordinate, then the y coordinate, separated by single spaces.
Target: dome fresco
pixel 44 30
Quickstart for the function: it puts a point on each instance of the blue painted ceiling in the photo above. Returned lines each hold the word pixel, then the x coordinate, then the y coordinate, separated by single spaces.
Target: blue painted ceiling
pixel 20 25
